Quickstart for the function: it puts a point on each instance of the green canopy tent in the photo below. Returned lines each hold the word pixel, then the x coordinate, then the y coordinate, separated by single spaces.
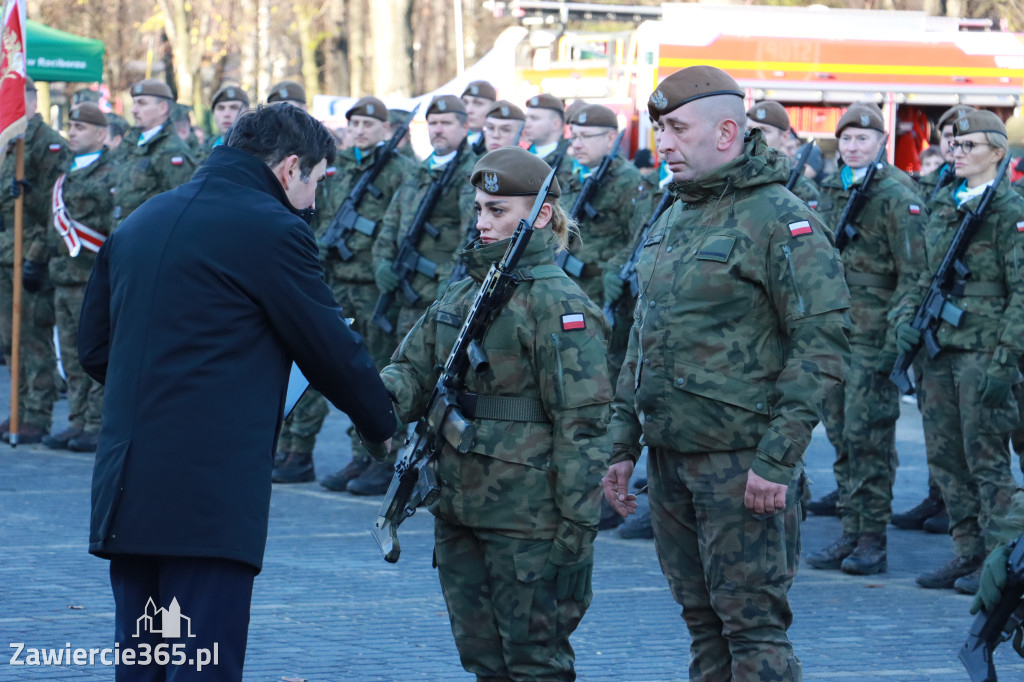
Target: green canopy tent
pixel 54 55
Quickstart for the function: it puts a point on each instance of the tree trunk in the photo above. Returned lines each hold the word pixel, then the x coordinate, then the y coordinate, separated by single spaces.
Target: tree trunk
pixel 391 38
pixel 305 18
pixel 178 20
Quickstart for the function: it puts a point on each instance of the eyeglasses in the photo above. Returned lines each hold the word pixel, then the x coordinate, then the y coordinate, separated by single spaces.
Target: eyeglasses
pixel 967 146
pixel 581 136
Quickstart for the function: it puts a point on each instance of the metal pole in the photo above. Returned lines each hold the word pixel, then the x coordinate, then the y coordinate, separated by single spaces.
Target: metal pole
pixel 19 203
pixel 460 44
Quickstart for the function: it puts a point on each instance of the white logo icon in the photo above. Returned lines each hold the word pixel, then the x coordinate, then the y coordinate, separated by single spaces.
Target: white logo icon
pixel 659 100
pixel 491 182
pixel 165 622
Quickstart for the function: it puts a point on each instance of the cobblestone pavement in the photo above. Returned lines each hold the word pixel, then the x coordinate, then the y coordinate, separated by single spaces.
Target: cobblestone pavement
pixel 327 607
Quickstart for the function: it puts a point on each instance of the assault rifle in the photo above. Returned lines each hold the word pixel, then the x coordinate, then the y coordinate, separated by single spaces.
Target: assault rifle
pixel 409 261
pixel 798 165
pixel 582 206
pixel 348 219
pixel 845 231
pixel 945 175
pixel 628 271
pixel 936 306
pixel 991 629
pixel 415 483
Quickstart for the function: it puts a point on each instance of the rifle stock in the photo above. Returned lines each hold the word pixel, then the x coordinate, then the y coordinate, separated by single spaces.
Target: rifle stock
pixel 798 167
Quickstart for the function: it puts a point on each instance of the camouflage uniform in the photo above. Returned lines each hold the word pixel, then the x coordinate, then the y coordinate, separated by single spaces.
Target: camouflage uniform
pixel 45 153
pixel 87 197
pixel 524 487
pixel 881 268
pixel 161 164
pixel 808 191
pixel 739 332
pixel 967 443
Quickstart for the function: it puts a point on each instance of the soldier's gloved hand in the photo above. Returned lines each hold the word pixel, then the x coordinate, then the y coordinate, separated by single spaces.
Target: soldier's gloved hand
pixel 572 570
pixel 387 279
pixel 992 581
pixel 33 276
pixel 19 186
pixel 907 337
pixel 613 286
pixel 994 391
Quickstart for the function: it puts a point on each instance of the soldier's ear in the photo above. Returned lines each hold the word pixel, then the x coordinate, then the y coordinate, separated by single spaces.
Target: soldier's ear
pixel 728 132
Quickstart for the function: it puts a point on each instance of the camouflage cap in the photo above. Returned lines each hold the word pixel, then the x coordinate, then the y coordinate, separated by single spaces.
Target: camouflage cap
pixel 368 106
pixel 446 104
pixel 229 93
pixel 116 124
pixel 151 87
pixel 953 113
pixel 978 122
pixel 396 116
pixel 512 172
pixel 595 115
pixel 30 85
pixel 689 84
pixel 505 110
pixel 287 91
pixel 181 112
pixel 88 112
pixel 545 101
pixel 84 95
pixel 480 89
pixel 861 115
pixel 772 113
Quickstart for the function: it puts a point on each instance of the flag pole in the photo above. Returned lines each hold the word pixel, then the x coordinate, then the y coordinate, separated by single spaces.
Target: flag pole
pixel 19 203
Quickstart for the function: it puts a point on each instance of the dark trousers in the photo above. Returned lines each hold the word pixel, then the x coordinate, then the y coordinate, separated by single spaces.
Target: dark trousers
pixel 194 611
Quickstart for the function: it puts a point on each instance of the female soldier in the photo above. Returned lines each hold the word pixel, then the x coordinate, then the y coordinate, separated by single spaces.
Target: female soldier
pixel 970 409
pixel 517 515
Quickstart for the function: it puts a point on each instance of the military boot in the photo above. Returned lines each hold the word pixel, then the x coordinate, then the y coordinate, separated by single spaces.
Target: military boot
pixel 945 576
pixel 637 527
pixel 913 519
pixel 374 481
pixel 87 442
pixel 831 557
pixel 938 523
pixel 59 441
pixel 969 584
pixel 27 434
pixel 825 506
pixel 869 556
pixel 340 479
pixel 296 468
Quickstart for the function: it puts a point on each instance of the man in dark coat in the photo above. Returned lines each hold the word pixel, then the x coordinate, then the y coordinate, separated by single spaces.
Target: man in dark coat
pixel 196 308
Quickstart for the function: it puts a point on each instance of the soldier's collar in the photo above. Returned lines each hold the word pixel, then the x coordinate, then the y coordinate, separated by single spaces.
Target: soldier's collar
pixel 148 135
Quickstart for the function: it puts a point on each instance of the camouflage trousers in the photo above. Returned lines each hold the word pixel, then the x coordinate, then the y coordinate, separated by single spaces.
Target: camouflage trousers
pixel 85 395
pixel 730 571
pixel 37 390
pixel 357 300
pixel 1017 437
pixel 968 448
pixel 508 622
pixel 862 414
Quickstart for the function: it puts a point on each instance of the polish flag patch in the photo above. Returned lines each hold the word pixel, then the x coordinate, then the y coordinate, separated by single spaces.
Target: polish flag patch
pixel 798 228
pixel 54 147
pixel 573 321
pixel 1020 226
pixel 177 160
pixel 813 205
pixel 331 170
pixel 915 209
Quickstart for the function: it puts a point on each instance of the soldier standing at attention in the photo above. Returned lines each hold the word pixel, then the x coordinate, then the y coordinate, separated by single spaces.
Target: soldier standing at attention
pixel 881 266
pixel 739 331
pixel 45 153
pixel 944 172
pixel 288 91
pixel 81 203
pixel 504 122
pixel 545 129
pixel 227 104
pixel 478 97
pixel 517 515
pixel 155 159
pixel 395 118
pixel 772 120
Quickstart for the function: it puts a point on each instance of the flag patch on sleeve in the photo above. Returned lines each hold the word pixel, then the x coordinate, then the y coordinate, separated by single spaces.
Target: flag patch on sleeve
pixel 573 321
pixel 54 147
pixel 177 160
pixel 798 228
pixel 1020 226
pixel 331 170
pixel 813 205
pixel 915 209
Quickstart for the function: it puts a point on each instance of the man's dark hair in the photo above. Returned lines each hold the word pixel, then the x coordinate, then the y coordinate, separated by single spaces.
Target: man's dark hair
pixel 275 131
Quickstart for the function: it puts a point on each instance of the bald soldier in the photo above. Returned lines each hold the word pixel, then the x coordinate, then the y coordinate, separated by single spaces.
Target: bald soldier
pixel 772 120
pixel 503 125
pixel 290 92
pixel 154 159
pixel 739 330
pixel 478 98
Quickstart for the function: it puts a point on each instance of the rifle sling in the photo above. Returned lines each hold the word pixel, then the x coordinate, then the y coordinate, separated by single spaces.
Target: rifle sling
pixel 503 408
pixel 865 279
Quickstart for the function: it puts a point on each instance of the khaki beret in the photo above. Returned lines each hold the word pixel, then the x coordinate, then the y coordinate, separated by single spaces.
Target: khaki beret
pixel 287 91
pixel 571 110
pixel 368 106
pixel 152 87
pixel 505 110
pixel 88 112
pixel 772 113
pixel 446 104
pixel 861 115
pixel 689 84
pixel 229 93
pixel 978 122
pixel 30 85
pixel 545 101
pixel 481 89
pixel 595 115
pixel 512 172
pixel 952 114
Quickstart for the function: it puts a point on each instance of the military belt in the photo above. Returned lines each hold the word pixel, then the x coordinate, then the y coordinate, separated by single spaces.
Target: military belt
pixel 503 408
pixel 865 279
pixel 980 289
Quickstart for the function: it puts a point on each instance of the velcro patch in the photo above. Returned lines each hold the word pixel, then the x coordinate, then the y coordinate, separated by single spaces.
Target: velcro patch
pixel 800 227
pixel 573 321
pixel 915 209
pixel 448 318
pixel 813 204
pixel 54 147
pixel 331 170
pixel 177 160
pixel 1020 226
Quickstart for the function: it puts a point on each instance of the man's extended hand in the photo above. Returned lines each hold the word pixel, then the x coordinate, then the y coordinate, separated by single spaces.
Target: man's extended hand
pixel 616 488
pixel 764 497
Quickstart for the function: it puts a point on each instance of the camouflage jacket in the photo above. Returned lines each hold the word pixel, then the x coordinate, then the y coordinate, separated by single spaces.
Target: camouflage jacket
pixel 1006 529
pixel 741 325
pixel 883 264
pixel 926 183
pixel 808 191
pixel 45 155
pixel 994 300
pixel 644 204
pixel 564 167
pixel 452 216
pixel 525 479
pixel 88 200
pixel 331 194
pixel 160 165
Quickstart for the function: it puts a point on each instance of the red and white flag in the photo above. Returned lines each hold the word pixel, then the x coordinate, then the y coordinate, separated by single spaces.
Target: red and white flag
pixel 12 72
